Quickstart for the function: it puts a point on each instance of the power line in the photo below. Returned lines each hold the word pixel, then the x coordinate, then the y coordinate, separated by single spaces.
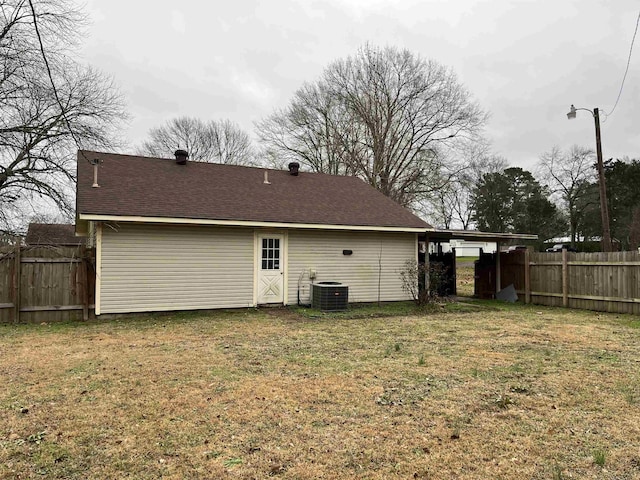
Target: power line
pixel 627 69
pixel 53 83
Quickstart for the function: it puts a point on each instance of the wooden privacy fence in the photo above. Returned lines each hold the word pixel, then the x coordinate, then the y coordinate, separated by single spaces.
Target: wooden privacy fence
pixel 605 282
pixel 46 283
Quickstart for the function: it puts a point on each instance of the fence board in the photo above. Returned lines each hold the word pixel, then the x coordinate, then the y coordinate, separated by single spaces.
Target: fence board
pixel 593 281
pixel 55 283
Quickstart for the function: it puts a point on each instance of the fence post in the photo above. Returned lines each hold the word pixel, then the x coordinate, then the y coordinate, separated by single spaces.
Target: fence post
pixel 84 276
pixel 527 277
pixel 17 274
pixel 565 279
pixel 498 272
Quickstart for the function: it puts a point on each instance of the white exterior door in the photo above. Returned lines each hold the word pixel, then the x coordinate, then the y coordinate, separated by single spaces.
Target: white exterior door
pixel 270 269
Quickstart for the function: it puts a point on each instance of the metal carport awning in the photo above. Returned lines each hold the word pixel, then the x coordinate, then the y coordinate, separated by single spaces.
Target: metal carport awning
pixel 475 235
pixel 437 235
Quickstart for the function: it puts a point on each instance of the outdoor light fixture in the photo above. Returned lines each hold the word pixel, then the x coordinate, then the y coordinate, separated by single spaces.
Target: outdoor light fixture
pixel 604 210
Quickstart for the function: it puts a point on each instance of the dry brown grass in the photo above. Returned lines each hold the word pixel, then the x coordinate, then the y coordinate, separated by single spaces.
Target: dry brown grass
pixel 512 393
pixel 465 279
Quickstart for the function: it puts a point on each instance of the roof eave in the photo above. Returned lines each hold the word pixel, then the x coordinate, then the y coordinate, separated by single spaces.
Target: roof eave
pixel 246 223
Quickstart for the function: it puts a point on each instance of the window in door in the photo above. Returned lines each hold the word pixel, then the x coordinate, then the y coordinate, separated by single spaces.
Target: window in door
pixel 270 254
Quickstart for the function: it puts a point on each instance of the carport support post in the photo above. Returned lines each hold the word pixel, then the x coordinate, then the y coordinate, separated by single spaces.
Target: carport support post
pixel 498 286
pixel 426 266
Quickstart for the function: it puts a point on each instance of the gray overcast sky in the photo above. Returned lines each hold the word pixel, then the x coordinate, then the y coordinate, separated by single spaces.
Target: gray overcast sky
pixel 525 62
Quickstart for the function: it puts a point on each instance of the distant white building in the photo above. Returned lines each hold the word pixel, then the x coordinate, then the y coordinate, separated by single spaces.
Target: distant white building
pixel 466 248
pixel 553 241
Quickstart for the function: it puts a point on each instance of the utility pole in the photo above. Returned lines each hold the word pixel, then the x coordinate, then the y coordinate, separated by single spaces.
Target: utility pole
pixel 604 207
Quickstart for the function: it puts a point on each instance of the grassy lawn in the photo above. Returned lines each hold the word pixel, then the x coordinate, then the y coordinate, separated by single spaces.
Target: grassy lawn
pixel 465 275
pixel 466 259
pixel 465 280
pixel 502 392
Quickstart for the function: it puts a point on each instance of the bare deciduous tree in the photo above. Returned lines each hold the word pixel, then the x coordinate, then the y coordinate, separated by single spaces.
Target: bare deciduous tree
pixel 452 205
pixel 49 107
pixel 220 141
pixel 382 115
pixel 569 175
pixel 314 129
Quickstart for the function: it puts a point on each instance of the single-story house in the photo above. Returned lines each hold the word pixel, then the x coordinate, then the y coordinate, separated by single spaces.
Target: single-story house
pixel 52 234
pixel 179 235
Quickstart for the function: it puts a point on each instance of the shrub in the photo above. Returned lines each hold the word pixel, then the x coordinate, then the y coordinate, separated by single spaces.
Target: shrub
pixel 412 276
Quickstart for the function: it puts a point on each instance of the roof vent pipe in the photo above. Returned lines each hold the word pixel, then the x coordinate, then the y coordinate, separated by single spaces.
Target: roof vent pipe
pixel 294 168
pixel 181 157
pixel 95 162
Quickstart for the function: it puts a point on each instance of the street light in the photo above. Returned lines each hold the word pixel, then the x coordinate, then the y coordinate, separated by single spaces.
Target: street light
pixel 604 210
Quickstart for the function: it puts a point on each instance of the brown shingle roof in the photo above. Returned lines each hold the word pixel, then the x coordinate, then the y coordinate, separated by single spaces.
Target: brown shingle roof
pixel 153 187
pixel 51 234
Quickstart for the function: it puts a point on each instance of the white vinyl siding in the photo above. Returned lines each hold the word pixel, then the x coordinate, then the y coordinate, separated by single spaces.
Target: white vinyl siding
pixel 377 259
pixel 166 267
